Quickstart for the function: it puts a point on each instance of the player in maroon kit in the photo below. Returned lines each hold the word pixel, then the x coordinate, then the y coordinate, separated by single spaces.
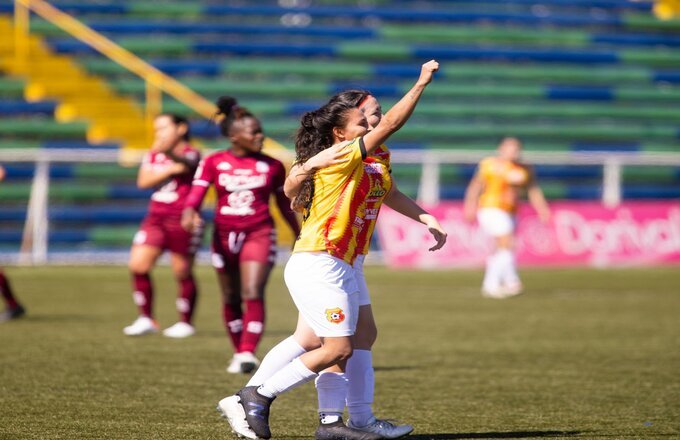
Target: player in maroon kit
pixel 168 168
pixel 244 240
pixel 14 309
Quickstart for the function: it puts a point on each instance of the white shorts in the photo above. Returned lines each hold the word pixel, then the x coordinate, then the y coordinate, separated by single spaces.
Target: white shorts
pixel 325 291
pixel 364 297
pixel 496 222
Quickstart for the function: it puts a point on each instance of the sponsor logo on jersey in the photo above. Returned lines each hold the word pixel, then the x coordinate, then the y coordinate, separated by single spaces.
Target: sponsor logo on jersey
pixel 239 182
pixel 336 316
pixel 371 213
pixel 373 168
pixel 224 166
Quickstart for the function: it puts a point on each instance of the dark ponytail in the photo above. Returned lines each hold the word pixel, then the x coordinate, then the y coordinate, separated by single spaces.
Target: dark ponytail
pixel 232 111
pixel 315 135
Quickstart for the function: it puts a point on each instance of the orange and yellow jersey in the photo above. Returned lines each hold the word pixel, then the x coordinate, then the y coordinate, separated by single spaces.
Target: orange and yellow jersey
pixel 379 160
pixel 503 181
pixel 345 205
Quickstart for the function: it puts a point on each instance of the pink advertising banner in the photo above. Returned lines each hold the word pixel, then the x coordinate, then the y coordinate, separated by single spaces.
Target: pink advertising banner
pixel 634 233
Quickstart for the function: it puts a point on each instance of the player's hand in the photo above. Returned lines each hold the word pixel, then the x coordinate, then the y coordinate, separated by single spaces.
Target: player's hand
pixel 178 168
pixel 330 156
pixel 437 232
pixel 469 215
pixel 427 72
pixel 440 236
pixel 544 216
pixel 188 220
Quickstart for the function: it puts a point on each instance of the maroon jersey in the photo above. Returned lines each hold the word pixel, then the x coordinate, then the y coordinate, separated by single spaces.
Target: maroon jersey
pixel 243 186
pixel 170 196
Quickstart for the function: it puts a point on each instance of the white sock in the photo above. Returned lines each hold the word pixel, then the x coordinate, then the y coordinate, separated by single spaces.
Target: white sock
pixel 287 378
pixel 278 357
pixel 331 390
pixel 507 267
pixel 492 276
pixel 361 378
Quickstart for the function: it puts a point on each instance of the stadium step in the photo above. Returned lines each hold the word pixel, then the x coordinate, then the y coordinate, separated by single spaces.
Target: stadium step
pixel 74 86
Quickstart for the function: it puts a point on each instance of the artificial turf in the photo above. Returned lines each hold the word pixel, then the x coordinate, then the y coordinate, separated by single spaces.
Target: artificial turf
pixel 583 354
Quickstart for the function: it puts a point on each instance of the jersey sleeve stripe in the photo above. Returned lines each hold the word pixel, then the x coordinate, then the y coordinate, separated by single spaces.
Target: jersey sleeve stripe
pixel 362 147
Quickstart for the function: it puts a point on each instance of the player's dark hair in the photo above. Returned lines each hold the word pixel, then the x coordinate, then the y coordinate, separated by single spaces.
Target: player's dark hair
pixel 352 97
pixel 315 135
pixel 232 112
pixel 178 120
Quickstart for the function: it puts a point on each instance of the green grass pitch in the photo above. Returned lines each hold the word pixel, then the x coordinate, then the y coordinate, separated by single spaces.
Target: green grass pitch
pixel 584 354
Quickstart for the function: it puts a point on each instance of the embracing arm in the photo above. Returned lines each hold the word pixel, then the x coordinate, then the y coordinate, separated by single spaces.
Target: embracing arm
pixel 300 171
pixel 405 206
pixel 395 118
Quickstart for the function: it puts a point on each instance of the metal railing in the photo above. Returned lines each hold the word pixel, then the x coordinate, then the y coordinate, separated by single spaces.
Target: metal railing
pixel 35 250
pixel 156 81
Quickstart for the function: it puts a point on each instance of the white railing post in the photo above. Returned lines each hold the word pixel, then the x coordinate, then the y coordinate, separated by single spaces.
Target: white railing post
pixel 428 190
pixel 611 183
pixel 34 246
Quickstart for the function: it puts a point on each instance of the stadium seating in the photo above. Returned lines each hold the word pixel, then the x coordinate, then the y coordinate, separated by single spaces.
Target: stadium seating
pixel 565 75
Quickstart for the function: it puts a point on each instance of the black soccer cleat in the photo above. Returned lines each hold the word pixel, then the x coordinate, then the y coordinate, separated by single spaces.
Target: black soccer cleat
pixel 13 313
pixel 256 407
pixel 338 431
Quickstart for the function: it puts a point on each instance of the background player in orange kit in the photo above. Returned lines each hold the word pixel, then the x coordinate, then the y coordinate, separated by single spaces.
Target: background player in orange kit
pixel 244 238
pixel 169 168
pixel 492 197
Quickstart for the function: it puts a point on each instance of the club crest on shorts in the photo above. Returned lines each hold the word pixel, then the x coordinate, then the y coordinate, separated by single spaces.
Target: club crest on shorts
pixel 335 315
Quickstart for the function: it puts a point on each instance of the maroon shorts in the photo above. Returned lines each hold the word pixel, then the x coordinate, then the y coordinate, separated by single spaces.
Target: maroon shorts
pixel 166 232
pixel 230 248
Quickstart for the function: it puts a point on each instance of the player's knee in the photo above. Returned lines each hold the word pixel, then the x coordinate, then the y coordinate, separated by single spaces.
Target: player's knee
pixel 365 337
pixel 340 352
pixel 139 266
pixel 251 292
pixel 183 273
pixel 343 353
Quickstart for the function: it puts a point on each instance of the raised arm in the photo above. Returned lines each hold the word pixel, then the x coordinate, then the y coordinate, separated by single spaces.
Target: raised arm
pixel 395 118
pixel 405 206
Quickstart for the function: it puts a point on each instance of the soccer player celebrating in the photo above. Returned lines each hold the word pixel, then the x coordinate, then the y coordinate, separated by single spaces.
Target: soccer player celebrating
pixel 14 309
pixel 338 202
pixel 168 167
pixel 492 196
pixel 359 370
pixel 244 239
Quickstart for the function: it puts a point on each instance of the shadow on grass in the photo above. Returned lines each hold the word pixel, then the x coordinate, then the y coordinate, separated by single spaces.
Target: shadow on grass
pixel 509 434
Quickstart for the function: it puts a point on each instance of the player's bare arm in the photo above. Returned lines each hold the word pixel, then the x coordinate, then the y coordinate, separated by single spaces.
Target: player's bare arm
pixel 407 207
pixel 397 116
pixel 299 172
pixel 472 193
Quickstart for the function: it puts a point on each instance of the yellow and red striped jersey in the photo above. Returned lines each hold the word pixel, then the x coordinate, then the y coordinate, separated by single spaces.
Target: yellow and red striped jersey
pixel 503 181
pixel 347 198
